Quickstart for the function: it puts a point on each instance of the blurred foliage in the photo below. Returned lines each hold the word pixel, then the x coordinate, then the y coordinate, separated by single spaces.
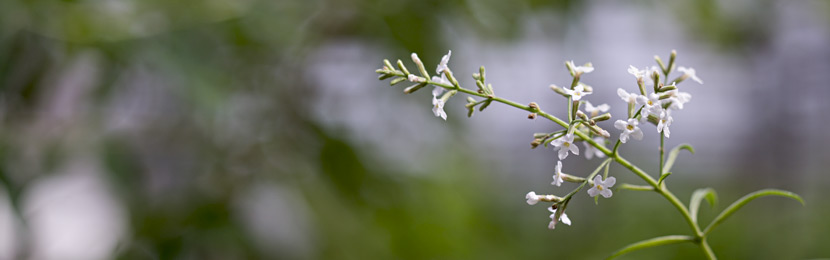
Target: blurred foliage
pixel 193 103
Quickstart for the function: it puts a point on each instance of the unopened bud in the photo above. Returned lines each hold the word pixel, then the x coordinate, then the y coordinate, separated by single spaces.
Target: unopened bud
pixel 671 60
pixel 414 88
pixel 660 62
pixel 531 116
pixel 558 90
pixel 653 119
pixel 667 88
pixel 420 65
pixel 481 72
pixel 416 79
pixel 476 76
pixel 403 68
pixel 387 65
pixel 602 117
pixel 396 81
pixel 534 106
pixel 582 115
pixel 535 143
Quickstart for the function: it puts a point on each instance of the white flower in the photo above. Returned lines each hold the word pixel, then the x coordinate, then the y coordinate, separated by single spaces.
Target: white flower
pixel 557 175
pixel 580 69
pixel 442 80
pixel 532 198
pixel 590 150
pixel 577 93
pixel 630 98
pixel 438 104
pixel 602 187
pixel 413 78
pixel 443 65
pixel 664 123
pixel 690 73
pixel 629 128
pixel 652 103
pixel 564 218
pixel 565 144
pixel 636 72
pixel 678 98
pixel 595 110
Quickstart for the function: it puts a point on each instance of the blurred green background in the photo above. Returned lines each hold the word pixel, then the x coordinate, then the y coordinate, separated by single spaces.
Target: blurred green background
pixel 247 129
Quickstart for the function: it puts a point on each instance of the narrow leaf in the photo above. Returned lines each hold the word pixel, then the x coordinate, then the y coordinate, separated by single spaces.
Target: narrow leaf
pixel 697 197
pixel 746 199
pixel 657 241
pixel 673 155
pixel 663 177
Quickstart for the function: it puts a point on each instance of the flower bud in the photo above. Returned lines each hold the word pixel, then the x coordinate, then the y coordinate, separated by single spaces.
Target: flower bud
pixel 582 115
pixel 535 143
pixel 403 68
pixel 558 90
pixel 531 116
pixel 671 60
pixel 387 65
pixel 420 65
pixel 660 62
pixel 602 117
pixel 534 106
pixel 481 73
pixel 396 81
pixel 414 88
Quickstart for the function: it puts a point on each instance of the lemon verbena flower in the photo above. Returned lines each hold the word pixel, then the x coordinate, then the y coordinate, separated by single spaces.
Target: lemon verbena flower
pixel 443 65
pixel 689 73
pixel 652 103
pixel 564 218
pixel 664 122
pixel 565 144
pixel 438 104
pixel 629 128
pixel 636 72
pixel 602 187
pixel 630 98
pixel 580 69
pixel 595 110
pixel 577 93
pixel 590 150
pixel 532 198
pixel 557 174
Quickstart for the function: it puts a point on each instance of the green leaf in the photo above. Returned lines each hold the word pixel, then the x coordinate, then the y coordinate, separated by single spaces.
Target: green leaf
pixel 657 241
pixel 673 155
pixel 698 196
pixel 746 199
pixel 663 177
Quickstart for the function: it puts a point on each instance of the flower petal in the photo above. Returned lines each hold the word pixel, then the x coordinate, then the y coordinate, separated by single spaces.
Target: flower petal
pixel 619 124
pixel 608 183
pixel 593 191
pixel 606 193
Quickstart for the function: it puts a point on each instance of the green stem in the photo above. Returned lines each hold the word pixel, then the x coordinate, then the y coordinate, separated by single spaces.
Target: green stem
pixel 611 154
pixel 707 249
pixel 662 137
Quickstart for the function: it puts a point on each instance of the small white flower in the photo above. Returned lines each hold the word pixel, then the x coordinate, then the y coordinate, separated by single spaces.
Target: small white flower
pixel 442 80
pixel 652 103
pixel 580 69
pixel 532 198
pixel 690 72
pixel 636 72
pixel 577 93
pixel 557 175
pixel 678 99
pixel 564 218
pixel 590 150
pixel 565 144
pixel 413 78
pixel 443 65
pixel 437 92
pixel 438 108
pixel 630 98
pixel 629 128
pixel 664 123
pixel 602 187
pixel 595 110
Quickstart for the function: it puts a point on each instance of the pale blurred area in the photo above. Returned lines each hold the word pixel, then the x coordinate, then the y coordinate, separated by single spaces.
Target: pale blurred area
pixel 229 129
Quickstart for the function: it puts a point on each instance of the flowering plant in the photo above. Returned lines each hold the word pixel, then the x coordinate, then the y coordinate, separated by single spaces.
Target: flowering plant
pixel 654 106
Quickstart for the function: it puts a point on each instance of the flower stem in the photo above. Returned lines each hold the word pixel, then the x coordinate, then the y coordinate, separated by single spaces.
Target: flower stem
pixel 611 154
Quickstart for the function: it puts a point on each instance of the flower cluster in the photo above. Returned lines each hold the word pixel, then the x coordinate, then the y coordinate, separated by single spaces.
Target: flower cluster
pixel 654 106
